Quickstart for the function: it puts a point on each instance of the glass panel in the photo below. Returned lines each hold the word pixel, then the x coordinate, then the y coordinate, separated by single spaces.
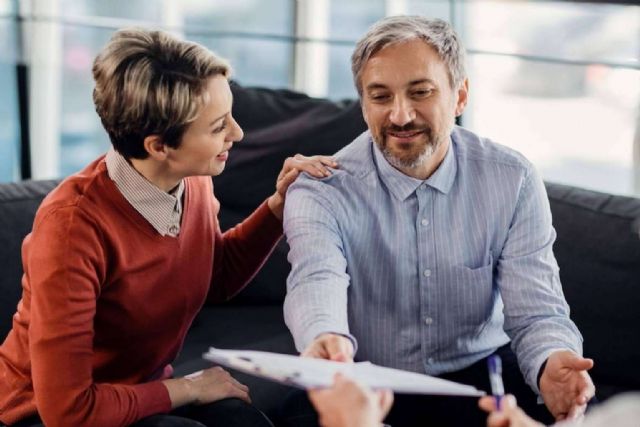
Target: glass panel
pixel 570 30
pixel 255 62
pixel 8 7
pixel 9 120
pixel 431 8
pixel 273 17
pixel 575 123
pixel 145 10
pixel 341 84
pixel 82 137
pixel 349 20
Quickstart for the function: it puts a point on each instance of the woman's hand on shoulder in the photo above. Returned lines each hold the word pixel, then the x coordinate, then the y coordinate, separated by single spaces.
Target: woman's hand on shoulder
pixel 317 166
pixel 209 385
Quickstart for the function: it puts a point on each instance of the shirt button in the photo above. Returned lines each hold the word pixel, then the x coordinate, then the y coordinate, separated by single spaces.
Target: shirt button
pixel 424 222
pixel 423 186
pixel 173 229
pixel 427 273
pixel 430 361
pixel 428 320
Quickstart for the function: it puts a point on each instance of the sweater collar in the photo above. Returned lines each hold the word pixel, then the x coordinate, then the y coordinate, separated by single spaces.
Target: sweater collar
pixel 161 209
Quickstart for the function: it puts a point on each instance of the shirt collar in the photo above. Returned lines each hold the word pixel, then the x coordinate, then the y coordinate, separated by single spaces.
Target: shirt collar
pixel 161 209
pixel 442 178
pixel 402 186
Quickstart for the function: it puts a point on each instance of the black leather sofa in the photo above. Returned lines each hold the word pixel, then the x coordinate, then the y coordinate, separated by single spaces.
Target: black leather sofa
pixel 597 247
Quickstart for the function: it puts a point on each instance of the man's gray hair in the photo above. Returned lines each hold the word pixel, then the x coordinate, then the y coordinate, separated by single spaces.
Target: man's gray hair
pixel 398 29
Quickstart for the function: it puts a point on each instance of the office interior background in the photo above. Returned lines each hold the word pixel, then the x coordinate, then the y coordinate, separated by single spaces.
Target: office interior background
pixel 557 80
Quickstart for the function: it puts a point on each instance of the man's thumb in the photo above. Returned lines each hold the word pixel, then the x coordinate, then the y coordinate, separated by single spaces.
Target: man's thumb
pixel 581 363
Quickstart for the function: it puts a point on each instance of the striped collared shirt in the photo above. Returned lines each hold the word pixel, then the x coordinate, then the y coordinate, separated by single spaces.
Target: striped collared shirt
pixel 161 209
pixel 428 276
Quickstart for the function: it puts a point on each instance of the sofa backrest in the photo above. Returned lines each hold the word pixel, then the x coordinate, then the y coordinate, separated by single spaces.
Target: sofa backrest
pixel 18 205
pixel 598 250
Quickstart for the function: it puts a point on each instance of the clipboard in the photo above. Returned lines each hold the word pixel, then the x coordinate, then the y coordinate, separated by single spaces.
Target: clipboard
pixel 307 373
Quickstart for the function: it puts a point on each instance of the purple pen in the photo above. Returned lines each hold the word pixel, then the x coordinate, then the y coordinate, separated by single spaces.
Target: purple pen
pixel 495 377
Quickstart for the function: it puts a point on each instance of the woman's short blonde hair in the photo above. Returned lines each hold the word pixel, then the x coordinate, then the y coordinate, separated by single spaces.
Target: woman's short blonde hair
pixel 151 83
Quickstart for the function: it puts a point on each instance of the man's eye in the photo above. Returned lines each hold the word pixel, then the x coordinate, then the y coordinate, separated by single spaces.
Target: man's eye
pixel 422 92
pixel 379 97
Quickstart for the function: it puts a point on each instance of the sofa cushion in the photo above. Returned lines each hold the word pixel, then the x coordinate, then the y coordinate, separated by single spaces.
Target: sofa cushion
pixel 18 205
pixel 598 251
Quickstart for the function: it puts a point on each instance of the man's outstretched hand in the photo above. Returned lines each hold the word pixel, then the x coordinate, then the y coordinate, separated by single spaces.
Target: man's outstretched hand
pixel 565 385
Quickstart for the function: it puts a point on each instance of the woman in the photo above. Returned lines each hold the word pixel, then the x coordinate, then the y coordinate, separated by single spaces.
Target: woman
pixel 123 254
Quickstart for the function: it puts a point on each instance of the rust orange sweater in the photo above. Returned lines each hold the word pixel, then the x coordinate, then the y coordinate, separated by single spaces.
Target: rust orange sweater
pixel 107 300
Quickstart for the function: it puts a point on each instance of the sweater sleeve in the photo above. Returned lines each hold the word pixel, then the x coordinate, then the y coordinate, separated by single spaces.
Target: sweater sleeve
pixel 241 251
pixel 65 264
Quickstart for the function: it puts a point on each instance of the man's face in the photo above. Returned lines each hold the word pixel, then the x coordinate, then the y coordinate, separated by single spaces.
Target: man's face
pixel 408 103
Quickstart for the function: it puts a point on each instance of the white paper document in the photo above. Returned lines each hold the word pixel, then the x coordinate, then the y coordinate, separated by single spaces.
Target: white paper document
pixel 309 373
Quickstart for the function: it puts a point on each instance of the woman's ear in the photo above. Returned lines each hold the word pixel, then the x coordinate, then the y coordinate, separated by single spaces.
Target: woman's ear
pixel 154 146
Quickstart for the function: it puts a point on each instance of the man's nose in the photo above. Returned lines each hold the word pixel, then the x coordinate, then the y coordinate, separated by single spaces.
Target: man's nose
pixel 402 112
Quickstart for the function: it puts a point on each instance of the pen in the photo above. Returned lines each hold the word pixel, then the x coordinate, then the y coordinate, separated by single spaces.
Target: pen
pixel 495 378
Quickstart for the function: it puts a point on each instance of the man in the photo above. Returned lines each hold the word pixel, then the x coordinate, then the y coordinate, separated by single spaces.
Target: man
pixel 431 248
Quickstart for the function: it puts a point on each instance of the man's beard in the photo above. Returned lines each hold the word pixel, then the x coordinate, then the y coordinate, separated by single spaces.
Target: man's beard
pixel 414 158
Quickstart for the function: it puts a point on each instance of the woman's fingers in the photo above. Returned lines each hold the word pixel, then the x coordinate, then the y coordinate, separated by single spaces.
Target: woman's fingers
pixel 317 166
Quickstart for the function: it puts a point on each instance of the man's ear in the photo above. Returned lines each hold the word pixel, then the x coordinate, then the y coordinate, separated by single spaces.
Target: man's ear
pixel 463 97
pixel 154 146
pixel 365 116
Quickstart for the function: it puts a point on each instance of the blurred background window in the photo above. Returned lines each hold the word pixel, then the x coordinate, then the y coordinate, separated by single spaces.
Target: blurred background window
pixel 9 116
pixel 558 81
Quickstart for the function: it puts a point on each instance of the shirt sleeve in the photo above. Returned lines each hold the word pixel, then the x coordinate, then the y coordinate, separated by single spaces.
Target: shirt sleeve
pixel 316 300
pixel 241 251
pixel 536 312
pixel 65 265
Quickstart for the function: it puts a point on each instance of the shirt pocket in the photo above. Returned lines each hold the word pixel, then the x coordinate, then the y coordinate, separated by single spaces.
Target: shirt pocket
pixel 471 294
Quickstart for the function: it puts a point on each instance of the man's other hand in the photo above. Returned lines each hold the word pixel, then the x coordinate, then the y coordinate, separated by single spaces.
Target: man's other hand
pixel 331 347
pixel 565 385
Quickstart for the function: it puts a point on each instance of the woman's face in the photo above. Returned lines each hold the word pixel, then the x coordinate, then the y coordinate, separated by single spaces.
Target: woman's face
pixel 206 142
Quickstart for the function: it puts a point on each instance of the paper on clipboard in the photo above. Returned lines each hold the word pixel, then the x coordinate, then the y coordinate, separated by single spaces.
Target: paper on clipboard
pixel 309 373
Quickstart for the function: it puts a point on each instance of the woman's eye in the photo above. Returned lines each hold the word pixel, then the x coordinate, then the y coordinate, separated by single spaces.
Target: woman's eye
pixel 220 128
